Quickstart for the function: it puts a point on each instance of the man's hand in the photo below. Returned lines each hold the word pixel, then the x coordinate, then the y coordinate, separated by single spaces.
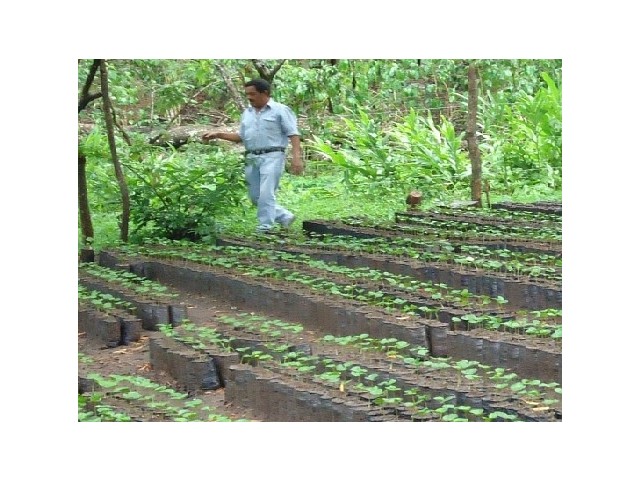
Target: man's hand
pixel 210 136
pixel 297 167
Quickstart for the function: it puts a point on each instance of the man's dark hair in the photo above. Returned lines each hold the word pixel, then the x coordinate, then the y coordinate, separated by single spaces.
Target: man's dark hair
pixel 261 85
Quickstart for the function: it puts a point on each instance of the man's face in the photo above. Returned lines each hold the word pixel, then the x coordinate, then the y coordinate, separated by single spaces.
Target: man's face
pixel 256 99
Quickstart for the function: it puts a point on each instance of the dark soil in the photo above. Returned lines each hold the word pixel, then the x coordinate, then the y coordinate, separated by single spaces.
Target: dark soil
pixel 133 359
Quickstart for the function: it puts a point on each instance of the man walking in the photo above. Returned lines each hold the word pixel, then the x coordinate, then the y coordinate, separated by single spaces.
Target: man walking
pixel 266 127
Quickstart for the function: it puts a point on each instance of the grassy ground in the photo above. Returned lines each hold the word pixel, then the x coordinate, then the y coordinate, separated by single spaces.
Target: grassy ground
pixel 318 195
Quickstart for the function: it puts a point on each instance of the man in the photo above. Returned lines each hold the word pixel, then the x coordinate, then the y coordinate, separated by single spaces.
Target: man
pixel 265 128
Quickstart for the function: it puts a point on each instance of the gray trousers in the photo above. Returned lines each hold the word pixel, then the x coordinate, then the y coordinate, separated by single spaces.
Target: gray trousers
pixel 262 173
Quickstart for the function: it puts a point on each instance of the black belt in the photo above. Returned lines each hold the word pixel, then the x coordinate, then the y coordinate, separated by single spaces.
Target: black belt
pixel 264 150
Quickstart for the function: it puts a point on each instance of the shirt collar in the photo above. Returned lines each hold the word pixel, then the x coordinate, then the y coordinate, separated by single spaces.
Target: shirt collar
pixel 268 104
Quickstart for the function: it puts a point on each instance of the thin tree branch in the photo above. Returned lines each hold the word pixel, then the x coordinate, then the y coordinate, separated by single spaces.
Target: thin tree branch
pixel 235 95
pixel 82 104
pixel 85 98
pixel 266 72
pixel 124 190
pixel 117 123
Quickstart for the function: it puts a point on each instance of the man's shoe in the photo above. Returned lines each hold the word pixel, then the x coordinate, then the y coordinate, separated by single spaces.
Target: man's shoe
pixel 271 231
pixel 286 223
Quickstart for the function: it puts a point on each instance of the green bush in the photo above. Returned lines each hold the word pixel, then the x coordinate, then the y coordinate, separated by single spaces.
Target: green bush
pixel 179 194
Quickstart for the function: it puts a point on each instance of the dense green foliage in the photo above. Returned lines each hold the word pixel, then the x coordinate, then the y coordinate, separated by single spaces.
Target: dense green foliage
pixel 372 130
pixel 181 193
pixel 174 193
pixel 411 154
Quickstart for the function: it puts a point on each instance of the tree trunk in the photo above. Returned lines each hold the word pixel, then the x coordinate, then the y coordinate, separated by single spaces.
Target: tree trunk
pixel 86 225
pixel 474 152
pixel 178 136
pixel 333 63
pixel 353 75
pixel 124 190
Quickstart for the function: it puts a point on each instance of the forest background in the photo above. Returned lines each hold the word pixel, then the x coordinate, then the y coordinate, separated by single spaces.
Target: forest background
pixel 372 131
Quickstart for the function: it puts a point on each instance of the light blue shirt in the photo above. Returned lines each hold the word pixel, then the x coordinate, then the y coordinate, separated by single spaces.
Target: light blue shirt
pixel 270 127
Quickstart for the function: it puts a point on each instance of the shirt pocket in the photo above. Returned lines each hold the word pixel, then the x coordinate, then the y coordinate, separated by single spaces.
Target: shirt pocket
pixel 271 130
